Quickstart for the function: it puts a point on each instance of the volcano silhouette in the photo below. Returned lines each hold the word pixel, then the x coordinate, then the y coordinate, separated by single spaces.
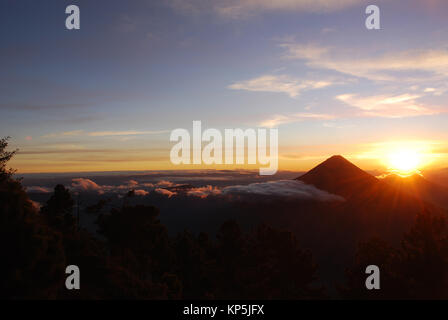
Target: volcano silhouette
pixel 373 206
pixel 339 176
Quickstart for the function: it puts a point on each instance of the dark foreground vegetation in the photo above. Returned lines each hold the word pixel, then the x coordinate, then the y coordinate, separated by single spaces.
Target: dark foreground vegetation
pixel 135 258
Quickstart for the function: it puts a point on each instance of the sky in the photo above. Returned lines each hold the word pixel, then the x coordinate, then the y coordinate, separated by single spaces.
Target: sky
pixel 107 96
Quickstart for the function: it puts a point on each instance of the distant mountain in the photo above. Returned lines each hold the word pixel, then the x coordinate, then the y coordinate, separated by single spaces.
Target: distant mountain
pixel 438 176
pixel 339 176
pixel 373 207
pixel 421 188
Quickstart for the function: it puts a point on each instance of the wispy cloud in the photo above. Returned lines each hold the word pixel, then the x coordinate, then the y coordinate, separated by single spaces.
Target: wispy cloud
pixel 123 133
pixel 388 106
pixel 327 30
pixel 440 90
pixel 103 133
pixel 277 120
pixel 279 84
pixel 243 8
pixel 41 107
pixel 64 151
pixel 38 189
pixel 430 64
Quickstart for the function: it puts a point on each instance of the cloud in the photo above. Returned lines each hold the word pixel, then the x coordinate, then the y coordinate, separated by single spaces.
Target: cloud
pixel 64 134
pixel 277 120
pixel 65 151
pixel 38 189
pixel 279 84
pixel 425 64
pixel 123 133
pixel 36 205
pixel 40 107
pixel 388 106
pixel 436 91
pixel 81 184
pixel 132 183
pixel 273 190
pixel 103 133
pixel 72 133
pixel 165 184
pixel 327 30
pixel 141 192
pixel 88 185
pixel 250 190
pixel 165 192
pixel 140 189
pixel 310 52
pixel 292 189
pixel 204 192
pixel 148 184
pixel 235 9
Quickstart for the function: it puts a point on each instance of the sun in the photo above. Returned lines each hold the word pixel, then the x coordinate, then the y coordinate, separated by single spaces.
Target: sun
pixel 404 162
pixel 406 157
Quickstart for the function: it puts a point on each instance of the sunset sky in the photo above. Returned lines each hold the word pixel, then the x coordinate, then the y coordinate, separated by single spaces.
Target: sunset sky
pixel 106 97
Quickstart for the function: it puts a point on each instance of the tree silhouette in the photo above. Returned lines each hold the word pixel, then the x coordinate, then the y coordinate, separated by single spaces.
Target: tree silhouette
pixel 33 257
pixel 5 156
pixel 267 263
pixel 59 209
pixel 37 247
pixel 424 258
pixel 139 260
pixel 140 242
pixel 193 262
pixel 418 269
pixel 285 271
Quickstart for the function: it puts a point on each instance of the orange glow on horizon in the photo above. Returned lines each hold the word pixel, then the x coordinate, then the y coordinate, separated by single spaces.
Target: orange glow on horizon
pixel 400 157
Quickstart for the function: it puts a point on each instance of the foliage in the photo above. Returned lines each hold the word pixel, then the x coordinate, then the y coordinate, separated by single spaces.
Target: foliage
pixel 416 270
pixel 5 156
pixel 139 260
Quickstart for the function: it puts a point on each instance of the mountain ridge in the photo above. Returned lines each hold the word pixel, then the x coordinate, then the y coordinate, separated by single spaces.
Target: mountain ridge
pixel 420 187
pixel 372 202
pixel 339 176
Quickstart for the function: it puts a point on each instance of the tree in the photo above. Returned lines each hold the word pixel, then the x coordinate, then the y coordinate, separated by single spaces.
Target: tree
pixel 424 258
pixel 418 269
pixel 374 252
pixel 193 261
pixel 139 259
pixel 281 268
pixel 140 243
pixel 5 156
pixel 32 254
pixel 59 209
pixel 267 263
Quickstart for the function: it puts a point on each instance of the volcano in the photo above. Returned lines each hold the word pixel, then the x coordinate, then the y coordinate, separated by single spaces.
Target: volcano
pixel 339 176
pixel 373 207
